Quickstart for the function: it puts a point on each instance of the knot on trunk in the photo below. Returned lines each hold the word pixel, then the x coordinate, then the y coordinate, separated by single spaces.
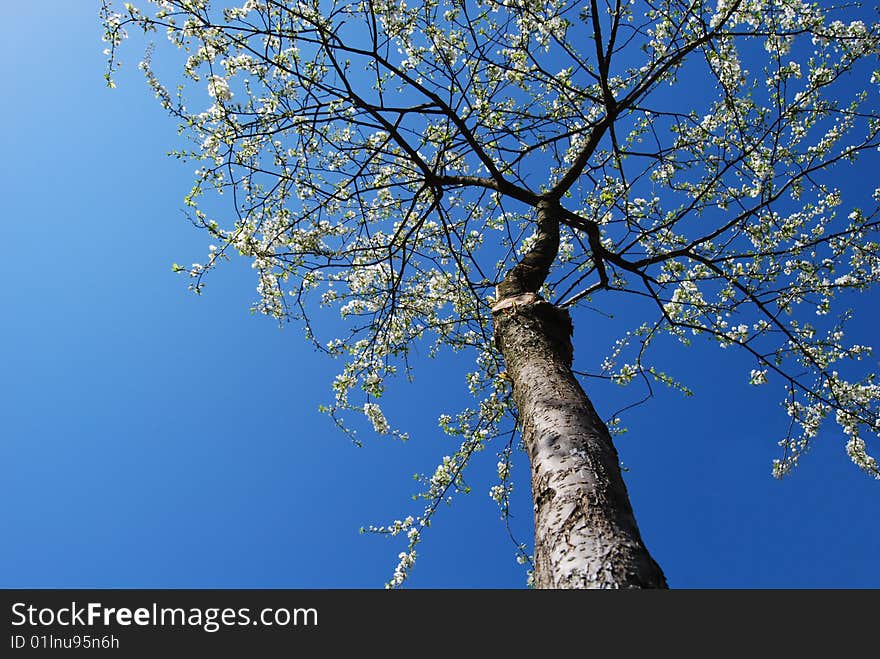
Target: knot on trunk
pixel 528 320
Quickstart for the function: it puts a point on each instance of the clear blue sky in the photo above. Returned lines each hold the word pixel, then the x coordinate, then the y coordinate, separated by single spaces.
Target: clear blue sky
pixel 150 438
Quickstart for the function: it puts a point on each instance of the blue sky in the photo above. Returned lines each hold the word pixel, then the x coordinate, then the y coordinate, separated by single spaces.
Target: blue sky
pixel 151 438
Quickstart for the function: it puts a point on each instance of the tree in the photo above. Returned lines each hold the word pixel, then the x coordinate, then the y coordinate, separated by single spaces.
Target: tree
pixel 467 174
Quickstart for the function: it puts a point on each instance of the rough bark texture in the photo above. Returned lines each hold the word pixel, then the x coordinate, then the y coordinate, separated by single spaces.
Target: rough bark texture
pixel 585 532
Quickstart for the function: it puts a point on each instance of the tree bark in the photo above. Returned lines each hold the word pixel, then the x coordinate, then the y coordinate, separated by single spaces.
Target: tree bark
pixel 585 531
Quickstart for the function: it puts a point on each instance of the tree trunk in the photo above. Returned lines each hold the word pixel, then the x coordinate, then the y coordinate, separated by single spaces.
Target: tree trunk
pixel 585 532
